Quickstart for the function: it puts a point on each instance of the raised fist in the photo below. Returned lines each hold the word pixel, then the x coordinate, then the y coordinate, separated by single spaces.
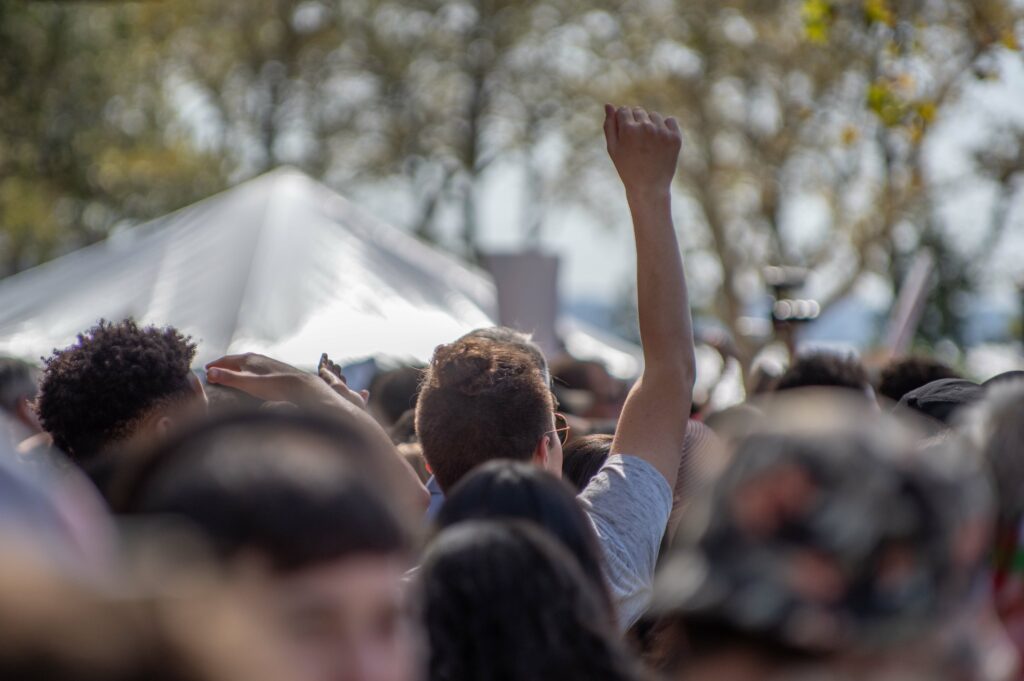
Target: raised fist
pixel 643 146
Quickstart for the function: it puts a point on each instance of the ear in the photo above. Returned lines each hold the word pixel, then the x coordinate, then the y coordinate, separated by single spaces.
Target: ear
pixel 541 454
pixel 163 426
pixel 27 414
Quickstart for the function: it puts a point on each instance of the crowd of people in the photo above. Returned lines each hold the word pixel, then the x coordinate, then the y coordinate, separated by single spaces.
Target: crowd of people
pixel 494 516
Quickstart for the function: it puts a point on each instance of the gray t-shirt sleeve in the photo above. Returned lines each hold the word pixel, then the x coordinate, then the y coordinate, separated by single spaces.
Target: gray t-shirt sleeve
pixel 628 503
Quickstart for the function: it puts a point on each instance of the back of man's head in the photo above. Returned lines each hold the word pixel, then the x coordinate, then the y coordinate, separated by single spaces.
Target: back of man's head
pixel 98 391
pixel 516 339
pixel 825 370
pixel 902 375
pixel 481 400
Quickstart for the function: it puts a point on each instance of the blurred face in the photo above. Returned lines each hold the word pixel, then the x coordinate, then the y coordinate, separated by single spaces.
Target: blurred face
pixel 348 621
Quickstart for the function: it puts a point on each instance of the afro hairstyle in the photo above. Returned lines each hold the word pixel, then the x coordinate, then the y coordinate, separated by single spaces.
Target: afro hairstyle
pixel 96 391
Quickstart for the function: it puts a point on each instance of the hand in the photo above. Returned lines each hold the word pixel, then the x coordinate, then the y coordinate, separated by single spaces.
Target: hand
pixel 644 148
pixel 331 374
pixel 268 379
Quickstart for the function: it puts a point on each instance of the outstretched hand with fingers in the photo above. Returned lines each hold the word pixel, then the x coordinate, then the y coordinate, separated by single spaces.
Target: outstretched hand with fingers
pixel 331 374
pixel 268 379
pixel 644 147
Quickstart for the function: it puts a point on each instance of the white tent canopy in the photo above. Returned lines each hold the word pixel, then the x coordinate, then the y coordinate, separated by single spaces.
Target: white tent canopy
pixel 279 265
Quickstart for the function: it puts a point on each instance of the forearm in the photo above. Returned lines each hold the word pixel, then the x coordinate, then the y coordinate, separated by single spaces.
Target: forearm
pixel 663 307
pixel 410 487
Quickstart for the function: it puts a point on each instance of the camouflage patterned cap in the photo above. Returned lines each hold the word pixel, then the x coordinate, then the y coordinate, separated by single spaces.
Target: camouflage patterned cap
pixel 833 527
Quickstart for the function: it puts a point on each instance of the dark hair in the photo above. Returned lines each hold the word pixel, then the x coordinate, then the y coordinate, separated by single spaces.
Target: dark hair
pixel 480 400
pixel 296 488
pixel 403 431
pixel 515 490
pixel 825 369
pixel 393 393
pixel 583 457
pixel 575 374
pixel 96 391
pixel 506 601
pixel 18 380
pixel 904 374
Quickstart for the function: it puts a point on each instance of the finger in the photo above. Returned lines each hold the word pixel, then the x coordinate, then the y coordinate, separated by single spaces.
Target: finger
pixel 624 116
pixel 228 362
pixel 657 119
pixel 365 394
pixel 323 362
pixel 611 133
pixel 329 377
pixel 640 115
pixel 226 377
pixel 672 124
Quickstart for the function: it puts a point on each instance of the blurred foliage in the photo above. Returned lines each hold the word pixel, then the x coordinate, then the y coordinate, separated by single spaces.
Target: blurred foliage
pixel 823 106
pixel 85 139
pixel 115 112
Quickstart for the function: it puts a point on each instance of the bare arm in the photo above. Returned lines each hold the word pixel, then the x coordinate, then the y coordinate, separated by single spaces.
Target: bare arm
pixel 271 380
pixel 645 149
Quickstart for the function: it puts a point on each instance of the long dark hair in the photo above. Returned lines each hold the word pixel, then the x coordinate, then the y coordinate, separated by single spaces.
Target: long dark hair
pixel 513 490
pixel 504 601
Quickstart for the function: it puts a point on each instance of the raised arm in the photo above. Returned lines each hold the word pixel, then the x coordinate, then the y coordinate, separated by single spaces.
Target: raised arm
pixel 645 149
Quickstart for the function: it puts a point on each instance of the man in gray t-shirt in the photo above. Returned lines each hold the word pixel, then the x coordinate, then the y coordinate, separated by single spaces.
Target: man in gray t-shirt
pixel 486 396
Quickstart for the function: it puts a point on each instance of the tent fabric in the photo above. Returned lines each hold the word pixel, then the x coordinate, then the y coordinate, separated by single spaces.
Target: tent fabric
pixel 279 265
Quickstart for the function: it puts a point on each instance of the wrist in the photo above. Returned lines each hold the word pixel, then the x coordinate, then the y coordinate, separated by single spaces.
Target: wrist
pixel 648 194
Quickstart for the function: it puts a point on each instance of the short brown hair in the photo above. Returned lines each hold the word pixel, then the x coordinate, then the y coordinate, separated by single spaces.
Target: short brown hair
pixel 481 400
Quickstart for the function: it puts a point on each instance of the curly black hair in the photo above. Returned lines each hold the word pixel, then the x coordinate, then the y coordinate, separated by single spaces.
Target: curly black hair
pixel 905 374
pixel 94 392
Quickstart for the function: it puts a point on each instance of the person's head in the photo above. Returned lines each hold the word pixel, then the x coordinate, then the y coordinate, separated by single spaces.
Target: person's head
pixel 393 393
pixel 516 339
pixel 941 400
pixel 904 374
pixel 583 457
pixel 826 370
pixel 403 431
pixel 504 600
pixel 996 426
pixel 118 383
pixel 301 502
pixel 483 400
pixel 57 629
pixel 19 384
pixel 520 491
pixel 831 534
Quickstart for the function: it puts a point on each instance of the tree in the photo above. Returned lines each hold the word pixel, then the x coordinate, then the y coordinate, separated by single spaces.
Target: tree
pixel 83 143
pixel 819 106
